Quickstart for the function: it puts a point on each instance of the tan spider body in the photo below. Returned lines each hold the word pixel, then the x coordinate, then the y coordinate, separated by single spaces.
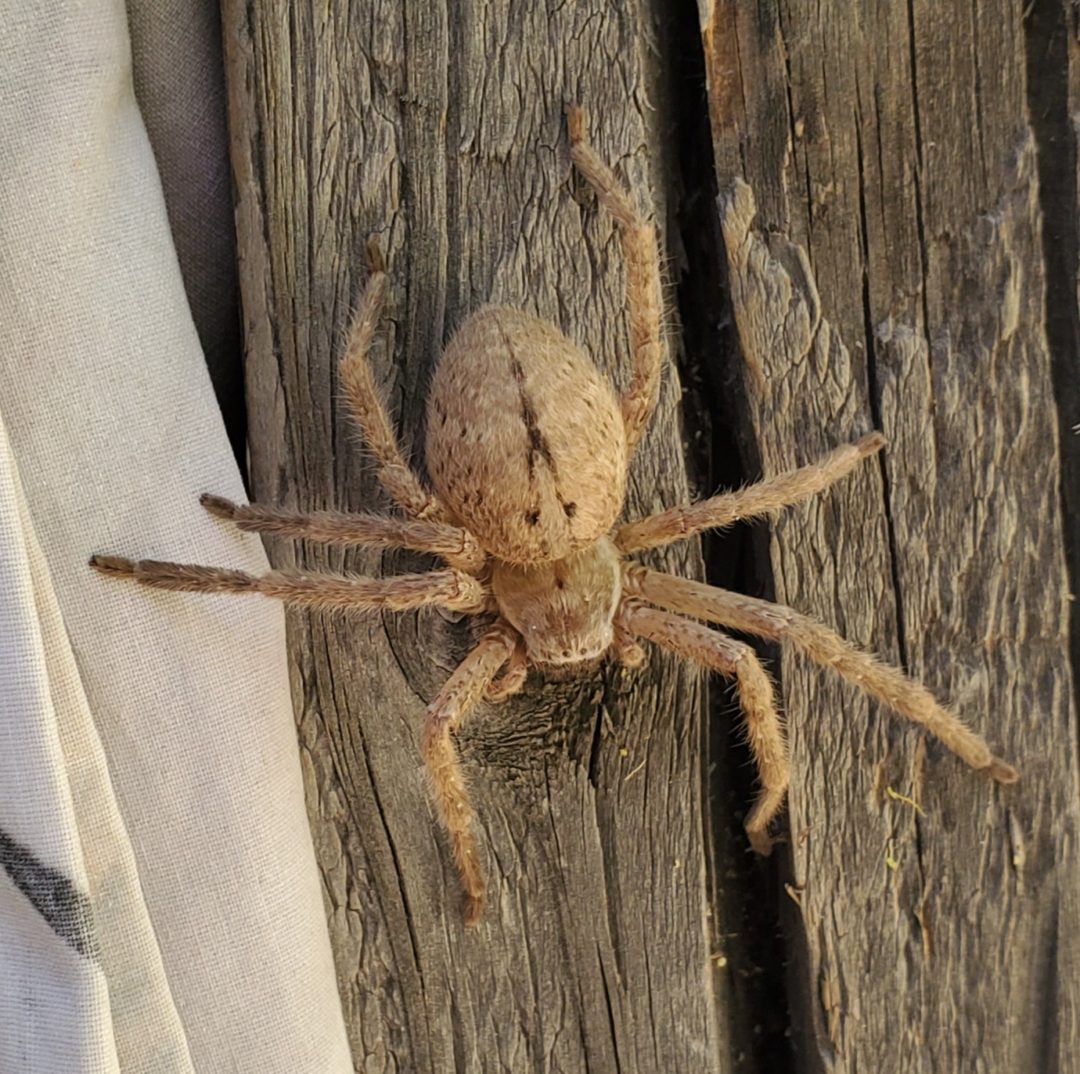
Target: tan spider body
pixel 525 442
pixel 527 448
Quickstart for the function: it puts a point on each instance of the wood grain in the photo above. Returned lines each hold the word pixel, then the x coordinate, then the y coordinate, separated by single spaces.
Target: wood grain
pixel 441 129
pixel 891 275
pixel 898 218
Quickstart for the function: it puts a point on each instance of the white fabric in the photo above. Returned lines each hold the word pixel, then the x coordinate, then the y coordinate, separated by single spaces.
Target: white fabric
pixel 159 901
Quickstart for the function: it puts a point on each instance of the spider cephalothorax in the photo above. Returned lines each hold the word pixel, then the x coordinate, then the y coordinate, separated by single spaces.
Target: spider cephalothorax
pixel 527 448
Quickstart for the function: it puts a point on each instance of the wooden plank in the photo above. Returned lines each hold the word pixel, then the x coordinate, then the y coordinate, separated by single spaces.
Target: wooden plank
pixel 442 130
pixel 893 277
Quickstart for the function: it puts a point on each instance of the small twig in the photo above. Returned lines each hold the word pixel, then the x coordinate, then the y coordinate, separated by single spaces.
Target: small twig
pixel 890 861
pixel 896 796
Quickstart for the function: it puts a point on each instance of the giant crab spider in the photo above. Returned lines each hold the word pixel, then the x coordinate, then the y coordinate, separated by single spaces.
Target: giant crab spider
pixel 527 449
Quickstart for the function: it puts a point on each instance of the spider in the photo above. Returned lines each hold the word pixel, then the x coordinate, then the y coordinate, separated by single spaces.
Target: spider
pixel 527 448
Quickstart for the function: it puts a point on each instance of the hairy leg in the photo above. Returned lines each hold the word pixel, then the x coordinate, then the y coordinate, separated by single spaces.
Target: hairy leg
pixel 764 731
pixel 644 295
pixel 451 589
pixel 513 675
pixel 754 501
pixel 626 649
pixel 465 687
pixel 888 684
pixel 396 475
pixel 455 545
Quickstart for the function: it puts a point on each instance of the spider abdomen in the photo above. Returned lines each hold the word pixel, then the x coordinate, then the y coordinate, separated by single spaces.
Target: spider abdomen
pixel 525 438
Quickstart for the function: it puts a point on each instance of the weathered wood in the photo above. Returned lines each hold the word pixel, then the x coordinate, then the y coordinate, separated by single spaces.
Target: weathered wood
pixel 893 276
pixel 442 129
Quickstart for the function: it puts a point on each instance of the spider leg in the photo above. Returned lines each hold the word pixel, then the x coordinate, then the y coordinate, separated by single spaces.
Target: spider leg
pixel 455 545
pixel 824 646
pixel 754 501
pixel 626 649
pixel 644 296
pixel 395 474
pixel 513 675
pixel 764 731
pixel 451 589
pixel 465 687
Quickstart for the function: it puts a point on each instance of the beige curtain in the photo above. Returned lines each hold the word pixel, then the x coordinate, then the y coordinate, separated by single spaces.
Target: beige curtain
pixel 160 908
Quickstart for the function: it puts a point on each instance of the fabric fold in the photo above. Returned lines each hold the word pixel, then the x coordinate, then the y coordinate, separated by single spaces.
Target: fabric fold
pixel 156 729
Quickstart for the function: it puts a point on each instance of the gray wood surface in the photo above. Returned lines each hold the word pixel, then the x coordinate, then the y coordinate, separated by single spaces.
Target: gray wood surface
pixel 442 129
pixel 892 162
pixel 877 229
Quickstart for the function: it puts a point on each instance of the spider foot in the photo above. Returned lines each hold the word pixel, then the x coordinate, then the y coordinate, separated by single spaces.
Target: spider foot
pixel 1002 771
pixel 577 123
pixel 218 506
pixel 761 842
pixel 869 444
pixel 112 564
pixel 376 261
pixel 474 909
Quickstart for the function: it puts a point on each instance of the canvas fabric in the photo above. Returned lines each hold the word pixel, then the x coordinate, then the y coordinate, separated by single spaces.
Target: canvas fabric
pixel 160 906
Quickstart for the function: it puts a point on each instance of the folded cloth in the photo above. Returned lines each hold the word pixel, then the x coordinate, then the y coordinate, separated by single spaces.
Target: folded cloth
pixel 160 907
